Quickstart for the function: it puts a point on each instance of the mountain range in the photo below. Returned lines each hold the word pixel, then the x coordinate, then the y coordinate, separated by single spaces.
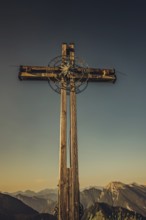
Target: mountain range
pixel 116 197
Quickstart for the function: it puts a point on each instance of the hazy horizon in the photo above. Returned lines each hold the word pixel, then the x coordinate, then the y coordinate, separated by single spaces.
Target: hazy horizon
pixel 81 188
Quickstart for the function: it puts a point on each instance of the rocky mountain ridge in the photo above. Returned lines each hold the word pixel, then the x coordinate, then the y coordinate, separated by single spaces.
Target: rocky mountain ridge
pixel 129 196
pixel 116 194
pixel 102 211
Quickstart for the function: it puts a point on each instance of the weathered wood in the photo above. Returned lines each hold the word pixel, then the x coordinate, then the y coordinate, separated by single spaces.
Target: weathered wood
pixel 62 202
pixel 69 179
pixel 52 73
pixel 64 52
pixel 75 200
pixel 72 53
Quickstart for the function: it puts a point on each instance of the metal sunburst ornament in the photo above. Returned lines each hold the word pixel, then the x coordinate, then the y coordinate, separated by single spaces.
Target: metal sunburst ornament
pixel 69 70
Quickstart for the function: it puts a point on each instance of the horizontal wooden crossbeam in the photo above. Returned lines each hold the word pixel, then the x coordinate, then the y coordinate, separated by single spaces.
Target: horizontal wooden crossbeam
pixel 54 73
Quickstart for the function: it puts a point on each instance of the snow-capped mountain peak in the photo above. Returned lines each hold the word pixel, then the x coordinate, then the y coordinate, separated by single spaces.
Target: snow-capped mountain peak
pixel 114 186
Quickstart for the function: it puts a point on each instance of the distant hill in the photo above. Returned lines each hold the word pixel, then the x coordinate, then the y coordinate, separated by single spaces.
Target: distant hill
pixel 13 209
pixel 43 193
pixel 42 205
pixel 46 203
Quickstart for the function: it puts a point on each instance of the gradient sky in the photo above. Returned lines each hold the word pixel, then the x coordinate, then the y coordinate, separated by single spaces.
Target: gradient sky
pixel 111 118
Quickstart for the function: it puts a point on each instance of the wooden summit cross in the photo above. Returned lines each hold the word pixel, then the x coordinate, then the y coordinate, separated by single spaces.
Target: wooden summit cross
pixel 68 75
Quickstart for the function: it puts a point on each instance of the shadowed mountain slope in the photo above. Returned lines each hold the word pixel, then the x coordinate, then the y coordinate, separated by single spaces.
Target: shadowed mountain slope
pixel 13 209
pixel 101 211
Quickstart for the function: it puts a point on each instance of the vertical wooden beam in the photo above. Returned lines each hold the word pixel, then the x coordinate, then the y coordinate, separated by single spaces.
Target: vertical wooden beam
pixel 62 195
pixel 75 200
pixel 72 53
pixel 63 155
pixel 69 178
pixel 68 194
pixel 64 52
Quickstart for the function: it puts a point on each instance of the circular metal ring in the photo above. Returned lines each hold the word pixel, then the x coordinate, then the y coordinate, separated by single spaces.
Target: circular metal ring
pixel 68 70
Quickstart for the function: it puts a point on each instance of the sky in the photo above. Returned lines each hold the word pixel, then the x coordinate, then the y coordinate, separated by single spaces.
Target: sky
pixel 111 117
